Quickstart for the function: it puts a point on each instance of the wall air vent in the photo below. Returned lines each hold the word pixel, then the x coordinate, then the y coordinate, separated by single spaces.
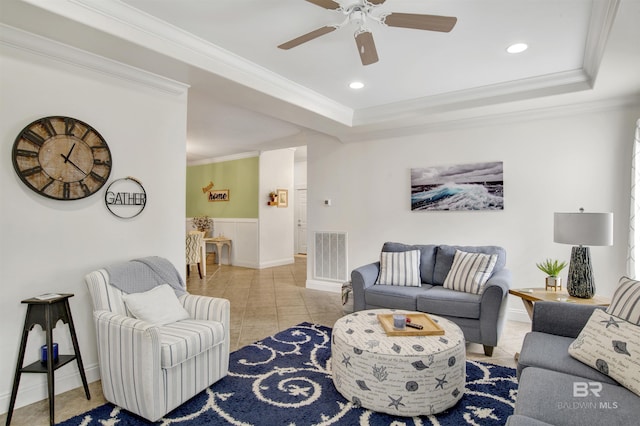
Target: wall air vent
pixel 330 256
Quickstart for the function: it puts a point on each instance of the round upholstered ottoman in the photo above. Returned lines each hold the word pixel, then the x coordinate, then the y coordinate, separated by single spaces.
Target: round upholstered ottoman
pixel 399 375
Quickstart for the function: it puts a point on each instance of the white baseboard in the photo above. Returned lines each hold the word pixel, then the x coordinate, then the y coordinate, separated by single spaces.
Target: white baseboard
pixel 252 265
pixel 279 262
pixel 37 392
pixel 329 286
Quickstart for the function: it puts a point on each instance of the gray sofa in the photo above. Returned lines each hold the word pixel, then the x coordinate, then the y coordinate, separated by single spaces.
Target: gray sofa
pixel 480 316
pixel 547 376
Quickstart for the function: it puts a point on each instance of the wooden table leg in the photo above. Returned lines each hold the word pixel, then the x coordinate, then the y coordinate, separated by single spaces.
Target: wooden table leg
pixel 76 349
pixel 50 378
pixel 528 305
pixel 18 373
pixel 203 258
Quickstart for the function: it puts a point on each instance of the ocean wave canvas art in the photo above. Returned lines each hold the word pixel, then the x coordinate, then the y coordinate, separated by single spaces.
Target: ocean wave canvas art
pixel 476 186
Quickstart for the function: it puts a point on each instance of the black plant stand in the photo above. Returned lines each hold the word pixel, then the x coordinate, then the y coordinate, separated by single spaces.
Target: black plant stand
pixel 46 313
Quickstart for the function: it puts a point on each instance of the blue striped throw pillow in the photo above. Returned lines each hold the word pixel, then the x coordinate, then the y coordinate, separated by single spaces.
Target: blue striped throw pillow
pixel 401 268
pixel 626 301
pixel 470 271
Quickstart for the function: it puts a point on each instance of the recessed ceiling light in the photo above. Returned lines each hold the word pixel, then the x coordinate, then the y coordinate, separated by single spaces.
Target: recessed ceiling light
pixel 356 85
pixel 517 48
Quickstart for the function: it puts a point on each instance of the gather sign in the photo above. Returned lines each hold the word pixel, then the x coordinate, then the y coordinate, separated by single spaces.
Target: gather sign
pixel 125 197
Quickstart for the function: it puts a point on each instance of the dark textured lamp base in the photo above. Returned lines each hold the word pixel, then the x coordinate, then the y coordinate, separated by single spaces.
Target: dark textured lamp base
pixel 580 282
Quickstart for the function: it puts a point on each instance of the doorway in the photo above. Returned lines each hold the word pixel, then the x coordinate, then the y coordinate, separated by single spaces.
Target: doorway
pixel 301 221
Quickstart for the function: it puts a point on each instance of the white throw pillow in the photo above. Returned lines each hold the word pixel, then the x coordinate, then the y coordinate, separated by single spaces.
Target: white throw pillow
pixel 159 306
pixel 401 268
pixel 626 301
pixel 470 271
pixel 611 345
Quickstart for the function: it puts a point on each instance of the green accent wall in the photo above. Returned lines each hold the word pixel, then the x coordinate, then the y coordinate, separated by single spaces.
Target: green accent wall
pixel 240 177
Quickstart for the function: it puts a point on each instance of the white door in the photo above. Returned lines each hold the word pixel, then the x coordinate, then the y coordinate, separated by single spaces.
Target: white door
pixel 301 221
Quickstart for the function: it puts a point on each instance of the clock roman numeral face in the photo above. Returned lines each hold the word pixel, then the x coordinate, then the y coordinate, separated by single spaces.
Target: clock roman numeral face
pixel 62 158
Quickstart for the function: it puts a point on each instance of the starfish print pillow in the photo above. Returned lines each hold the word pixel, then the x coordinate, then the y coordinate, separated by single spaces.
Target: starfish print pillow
pixel 612 346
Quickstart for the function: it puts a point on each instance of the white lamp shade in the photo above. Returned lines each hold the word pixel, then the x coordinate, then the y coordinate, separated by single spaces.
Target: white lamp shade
pixel 585 229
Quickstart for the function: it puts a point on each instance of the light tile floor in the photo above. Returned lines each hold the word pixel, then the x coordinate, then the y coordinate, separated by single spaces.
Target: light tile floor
pixel 262 302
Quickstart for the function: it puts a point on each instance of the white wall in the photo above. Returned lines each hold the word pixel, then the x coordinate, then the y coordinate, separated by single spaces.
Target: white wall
pixel 276 223
pixel 578 159
pixel 300 174
pixel 48 245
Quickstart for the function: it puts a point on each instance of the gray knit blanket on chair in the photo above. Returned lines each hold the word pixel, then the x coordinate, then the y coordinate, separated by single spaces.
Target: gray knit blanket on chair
pixel 143 274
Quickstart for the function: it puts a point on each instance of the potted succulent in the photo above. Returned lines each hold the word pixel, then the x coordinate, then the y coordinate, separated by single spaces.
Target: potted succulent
pixel 552 268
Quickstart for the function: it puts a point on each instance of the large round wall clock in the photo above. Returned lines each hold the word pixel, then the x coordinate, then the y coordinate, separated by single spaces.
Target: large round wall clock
pixel 62 158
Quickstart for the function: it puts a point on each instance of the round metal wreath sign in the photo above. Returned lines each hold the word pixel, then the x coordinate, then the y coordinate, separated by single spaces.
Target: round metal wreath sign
pixel 125 197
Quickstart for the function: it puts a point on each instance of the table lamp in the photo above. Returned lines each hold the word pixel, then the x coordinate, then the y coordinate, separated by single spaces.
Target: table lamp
pixel 582 229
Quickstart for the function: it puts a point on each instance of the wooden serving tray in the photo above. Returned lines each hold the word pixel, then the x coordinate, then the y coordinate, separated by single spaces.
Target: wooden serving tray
pixel 431 328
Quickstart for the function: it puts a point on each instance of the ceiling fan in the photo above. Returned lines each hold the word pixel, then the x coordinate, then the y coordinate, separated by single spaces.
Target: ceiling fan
pixel 359 13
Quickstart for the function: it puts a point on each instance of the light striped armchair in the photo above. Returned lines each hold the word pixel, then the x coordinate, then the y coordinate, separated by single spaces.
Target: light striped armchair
pixel 149 369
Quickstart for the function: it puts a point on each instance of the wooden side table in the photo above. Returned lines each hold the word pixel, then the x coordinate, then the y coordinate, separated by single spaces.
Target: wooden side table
pixel 220 242
pixel 531 295
pixel 46 311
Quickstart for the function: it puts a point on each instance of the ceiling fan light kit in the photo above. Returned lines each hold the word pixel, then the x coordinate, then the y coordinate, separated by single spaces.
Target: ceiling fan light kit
pixel 359 13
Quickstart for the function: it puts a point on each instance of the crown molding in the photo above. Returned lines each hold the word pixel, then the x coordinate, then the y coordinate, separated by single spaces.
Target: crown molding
pixel 45 47
pixel 241 156
pixel 602 18
pixel 126 22
pixel 552 84
pixel 496 118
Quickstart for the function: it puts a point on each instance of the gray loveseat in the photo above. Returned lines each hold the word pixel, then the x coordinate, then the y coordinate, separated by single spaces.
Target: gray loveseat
pixel 480 316
pixel 548 377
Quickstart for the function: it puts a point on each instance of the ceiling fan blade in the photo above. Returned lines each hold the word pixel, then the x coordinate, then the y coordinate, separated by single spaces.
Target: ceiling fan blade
pixel 306 37
pixel 366 48
pixel 375 2
pixel 327 4
pixel 421 22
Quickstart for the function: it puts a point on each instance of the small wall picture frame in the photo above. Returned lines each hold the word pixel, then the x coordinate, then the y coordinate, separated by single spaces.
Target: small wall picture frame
pixel 216 195
pixel 283 198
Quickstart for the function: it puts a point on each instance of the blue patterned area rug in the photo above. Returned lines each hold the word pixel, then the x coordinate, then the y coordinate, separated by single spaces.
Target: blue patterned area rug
pixel 285 380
